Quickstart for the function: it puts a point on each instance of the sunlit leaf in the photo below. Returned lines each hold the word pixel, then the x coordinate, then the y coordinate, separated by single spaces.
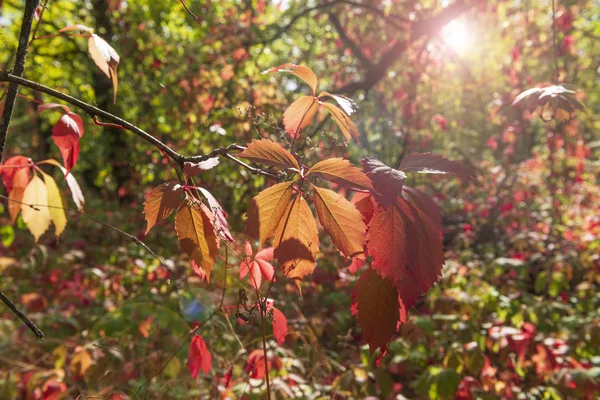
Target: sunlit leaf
pixel 302 72
pixel 66 134
pixel 55 203
pixel 37 219
pixel 343 121
pixel 106 58
pixel 161 202
pixel 388 182
pixel 280 326
pixel 269 153
pixel 199 357
pixel 266 210
pixel 299 115
pixel 342 172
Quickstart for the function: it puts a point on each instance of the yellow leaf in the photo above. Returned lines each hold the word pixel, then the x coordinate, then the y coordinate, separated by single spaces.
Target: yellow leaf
pixel 266 209
pixel 81 362
pixel 341 220
pixel 343 121
pixel 299 115
pixel 297 240
pixel 161 202
pixel 37 219
pixel 302 72
pixel 197 235
pixel 342 172
pixel 269 153
pixel 57 212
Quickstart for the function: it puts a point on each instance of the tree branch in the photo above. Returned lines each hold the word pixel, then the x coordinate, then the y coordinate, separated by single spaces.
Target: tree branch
pixel 349 43
pixel 18 70
pixel 23 317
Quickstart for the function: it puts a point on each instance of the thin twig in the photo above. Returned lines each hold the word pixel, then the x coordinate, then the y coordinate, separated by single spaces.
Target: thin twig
pixel 188 10
pixel 23 317
pixel 39 21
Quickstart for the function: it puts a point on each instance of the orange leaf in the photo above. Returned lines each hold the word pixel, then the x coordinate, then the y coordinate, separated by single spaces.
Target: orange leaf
pixel 365 204
pixel 161 202
pixel 347 104
pixel 14 205
pixel 266 209
pixel 377 308
pixel 297 240
pixel 299 115
pixel 199 358
pixel 341 220
pixel 406 247
pixel 302 72
pixel 196 235
pixel 342 172
pixel 343 121
pixel 267 152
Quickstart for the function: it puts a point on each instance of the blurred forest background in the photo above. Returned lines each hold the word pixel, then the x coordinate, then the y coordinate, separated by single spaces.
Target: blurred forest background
pixel 516 314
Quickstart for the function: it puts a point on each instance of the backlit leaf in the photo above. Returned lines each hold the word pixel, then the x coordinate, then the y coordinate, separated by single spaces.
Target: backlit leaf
pixel 423 202
pixel 346 103
pixel 161 202
pixel 302 72
pixel 266 209
pixel 77 27
pixel 297 240
pixel 57 212
pixel 16 172
pixel 66 134
pixel 388 182
pixel 196 235
pixel 299 115
pixel 343 121
pixel 76 192
pixel 37 219
pixel 106 58
pixel 199 358
pixel 220 216
pixel 342 221
pixel 14 205
pixel 280 326
pixel 257 266
pixel 269 153
pixel 427 163
pixel 342 172
pixel 365 204
pixel 377 308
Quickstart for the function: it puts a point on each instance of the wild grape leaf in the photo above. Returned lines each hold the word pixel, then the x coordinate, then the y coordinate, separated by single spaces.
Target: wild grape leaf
pixel 199 358
pixel 342 221
pixel 196 235
pixel 299 115
pixel 198 271
pixel 427 163
pixel 280 326
pixel 161 202
pixel 37 219
pixel 192 169
pixel 76 192
pixel 342 172
pixel 346 103
pixel 302 72
pixel 377 309
pixel 423 202
pixel 266 209
pixel 365 204
pixel 257 266
pixel 387 181
pixel 14 205
pixel 16 172
pixel 220 222
pixel 343 121
pixel 269 153
pixel 66 134
pixel 405 244
pixel 106 58
pixel 297 240
pixel 55 203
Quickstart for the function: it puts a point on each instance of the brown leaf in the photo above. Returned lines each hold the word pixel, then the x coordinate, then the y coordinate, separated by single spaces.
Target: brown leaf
pixel 297 240
pixel 378 308
pixel 342 221
pixel 266 209
pixel 161 202
pixel 269 153
pixel 343 121
pixel 302 72
pixel 196 235
pixel 342 172
pixel 299 115
pixel 427 163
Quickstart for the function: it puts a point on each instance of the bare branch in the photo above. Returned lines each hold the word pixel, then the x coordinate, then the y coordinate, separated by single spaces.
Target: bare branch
pixel 349 43
pixel 23 317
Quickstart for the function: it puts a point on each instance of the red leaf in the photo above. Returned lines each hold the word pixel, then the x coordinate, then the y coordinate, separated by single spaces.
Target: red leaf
pixel 199 358
pixel 427 163
pixel 423 202
pixel 220 216
pixel 15 172
pixel 198 271
pixel 280 326
pixel 365 204
pixel 66 134
pixel 258 266
pixel 377 308
pixel 388 182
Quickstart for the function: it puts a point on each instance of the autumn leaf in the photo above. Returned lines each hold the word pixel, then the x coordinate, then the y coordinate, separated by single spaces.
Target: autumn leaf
pixel 55 203
pixel 297 240
pixel 14 205
pixel 16 172
pixel 343 121
pixel 66 134
pixel 342 221
pixel 192 169
pixel 257 266
pixel 196 235
pixel 406 246
pixel 342 172
pixel 81 362
pixel 49 106
pixel 427 163
pixel 76 192
pixel 269 153
pixel 199 358
pixel 423 202
pixel 365 204
pixel 266 210
pixel 161 202
pixel 347 104
pixel 377 309
pixel 76 27
pixel 220 216
pixel 106 58
pixel 387 181
pixel 302 72
pixel 37 219
pixel 299 115
pixel 280 326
